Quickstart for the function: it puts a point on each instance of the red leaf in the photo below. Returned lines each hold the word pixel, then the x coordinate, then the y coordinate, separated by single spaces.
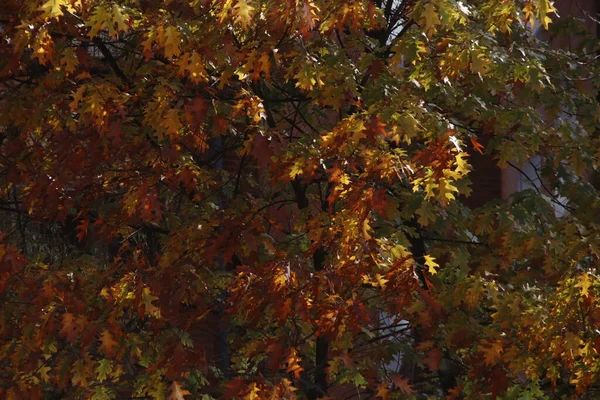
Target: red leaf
pixel 433 360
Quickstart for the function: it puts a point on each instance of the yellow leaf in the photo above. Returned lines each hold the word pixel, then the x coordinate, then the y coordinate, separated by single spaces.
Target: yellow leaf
pixel 365 229
pixel 584 282
pixel 296 169
pixel 119 19
pixel 53 8
pixel 97 21
pixel 77 98
pixel 429 187
pixel 431 18
pixel 265 65
pixel 381 281
pixel 572 342
pixel 196 69
pixel 171 122
pixel 544 8
pixel 478 62
pixel 254 393
pixel 430 262
pixel 281 279
pixel 243 13
pixel 43 372
pixel 224 10
pixel 305 79
pixel 172 41
pixel 446 188
pixel 69 60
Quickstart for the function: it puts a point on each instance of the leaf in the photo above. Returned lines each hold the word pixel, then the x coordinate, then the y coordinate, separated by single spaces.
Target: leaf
pixel 177 392
pixel 584 282
pixel 476 145
pixel 196 69
pixel 171 122
pixel 43 373
pixel 254 393
pixel 293 363
pixel 69 60
pixel 172 42
pixel 296 169
pixel 103 369
pixel 382 391
pixel 572 343
pixel 54 8
pixel 402 383
pixel 103 393
pixel 119 19
pixel 147 299
pixel 243 12
pixel 68 328
pixel 108 344
pixel 433 359
pixel 80 374
pixel 545 7
pixel 430 17
pixel 430 262
pixel 83 228
pixel 98 21
pixel 492 352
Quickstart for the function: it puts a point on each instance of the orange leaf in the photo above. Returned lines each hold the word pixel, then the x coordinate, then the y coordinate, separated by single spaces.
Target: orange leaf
pixel 108 344
pixel 402 384
pixel 292 362
pixel 454 393
pixel 83 228
pixel 177 393
pixel 382 391
pixel 476 145
pixel 69 329
pixel 492 352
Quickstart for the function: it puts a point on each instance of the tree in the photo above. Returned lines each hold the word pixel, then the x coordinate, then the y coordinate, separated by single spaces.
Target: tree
pixel 289 175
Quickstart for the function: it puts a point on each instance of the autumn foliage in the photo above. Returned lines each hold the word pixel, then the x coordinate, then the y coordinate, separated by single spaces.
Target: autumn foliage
pixel 265 199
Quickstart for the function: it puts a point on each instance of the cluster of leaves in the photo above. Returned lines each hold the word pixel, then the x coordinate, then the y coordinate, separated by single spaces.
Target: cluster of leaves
pixel 262 199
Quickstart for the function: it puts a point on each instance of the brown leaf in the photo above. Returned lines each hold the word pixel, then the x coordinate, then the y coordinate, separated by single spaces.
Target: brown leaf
pixel 69 328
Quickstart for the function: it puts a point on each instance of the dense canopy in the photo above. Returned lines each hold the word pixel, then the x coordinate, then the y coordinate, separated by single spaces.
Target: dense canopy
pixel 269 199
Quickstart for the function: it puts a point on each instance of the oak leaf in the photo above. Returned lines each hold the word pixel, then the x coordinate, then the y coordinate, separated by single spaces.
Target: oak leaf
pixel 431 264
pixel 172 42
pixel 69 327
pixel 177 392
pixel 402 384
pixel 584 283
pixel 243 12
pixel 108 344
